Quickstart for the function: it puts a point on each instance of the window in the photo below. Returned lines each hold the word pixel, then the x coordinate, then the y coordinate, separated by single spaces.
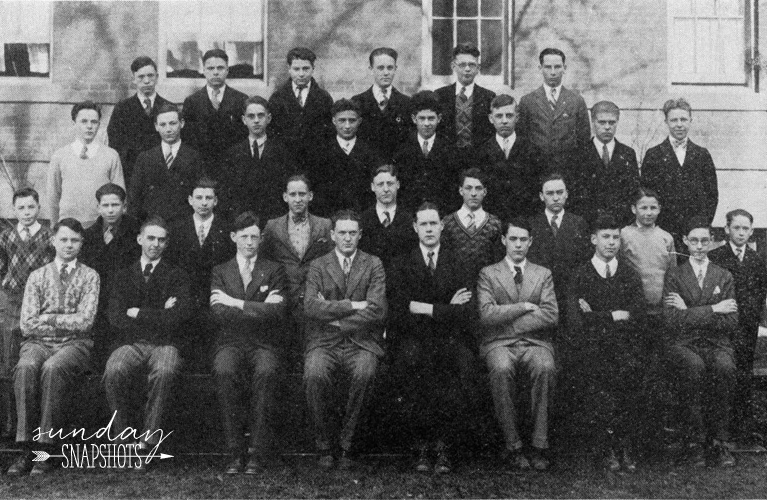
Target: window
pixel 707 41
pixel 25 38
pixel 189 28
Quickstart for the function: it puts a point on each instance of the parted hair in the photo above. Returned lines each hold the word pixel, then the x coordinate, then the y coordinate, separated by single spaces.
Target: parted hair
pixel 605 221
pixel 142 61
pixel 425 100
pixel 739 212
pixel 110 188
pixel 85 105
pixel 550 51
pixel 168 107
pixel 342 105
pixel 70 223
pixel 255 99
pixel 346 214
pixel 155 220
pixel 605 107
pixel 245 220
pixel 25 192
pixel 215 53
pixel 299 178
pixel 386 168
pixel 383 51
pixel 426 205
pixel 466 48
pixel 502 100
pixel 680 103
pixel 697 222
pixel 301 53
pixel 520 222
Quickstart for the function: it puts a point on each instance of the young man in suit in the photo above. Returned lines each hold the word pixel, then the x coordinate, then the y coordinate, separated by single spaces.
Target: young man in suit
pixel 257 167
pixel 57 315
pixel 385 111
pixel 430 303
pixel 507 158
pixel 198 242
pixel 465 105
pixel 109 245
pixel 681 172
pixel 212 114
pixel 701 316
pixel 606 335
pixel 78 169
pixel 131 126
pixel 608 176
pixel 517 314
pixel 427 160
pixel 248 299
pixel 345 306
pixel 388 226
pixel 341 168
pixel 561 237
pixel 554 118
pixel 300 108
pixel 750 274
pixel 164 175
pixel 148 305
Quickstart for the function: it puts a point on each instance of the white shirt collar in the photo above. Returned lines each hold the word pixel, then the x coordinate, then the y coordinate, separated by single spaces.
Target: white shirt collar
pixel 734 246
pixel 479 215
pixel 346 144
pixel 378 93
pixel 205 223
pixel 341 258
pixel 610 146
pixel 511 265
pixel 241 260
pixel 512 139
pixel 599 265
pixel 469 88
pixel 380 209
pixel 77 148
pixel 429 141
pixel 141 97
pixel 683 144
pixel 145 261
pixel 425 251
pixel 70 265
pixel 696 267
pixel 550 214
pixel 173 148
pixel 548 90
pixel 220 94
pixel 295 87
pixel 33 229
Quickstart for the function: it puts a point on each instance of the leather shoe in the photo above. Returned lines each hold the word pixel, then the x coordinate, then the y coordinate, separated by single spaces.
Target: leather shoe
pixel 234 466
pixel 254 466
pixel 610 461
pixel 442 464
pixel 21 466
pixel 538 460
pixel 326 460
pixel 344 461
pixel 518 461
pixel 627 462
pixel 423 464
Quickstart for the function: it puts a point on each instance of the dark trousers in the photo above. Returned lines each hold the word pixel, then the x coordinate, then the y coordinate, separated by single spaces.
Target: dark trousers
pixel 744 346
pixel 10 312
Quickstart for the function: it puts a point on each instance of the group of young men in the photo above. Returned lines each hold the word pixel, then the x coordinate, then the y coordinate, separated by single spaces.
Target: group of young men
pixel 437 248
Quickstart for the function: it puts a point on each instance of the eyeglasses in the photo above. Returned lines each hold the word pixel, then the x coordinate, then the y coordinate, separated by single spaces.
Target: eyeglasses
pixel 702 241
pixel 469 65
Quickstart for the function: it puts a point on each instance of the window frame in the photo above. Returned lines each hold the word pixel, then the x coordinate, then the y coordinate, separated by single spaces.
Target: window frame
pixel 36 81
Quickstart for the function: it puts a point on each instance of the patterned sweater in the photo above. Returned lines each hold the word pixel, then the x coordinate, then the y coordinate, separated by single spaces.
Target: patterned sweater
pixel 473 250
pixel 19 258
pixel 56 311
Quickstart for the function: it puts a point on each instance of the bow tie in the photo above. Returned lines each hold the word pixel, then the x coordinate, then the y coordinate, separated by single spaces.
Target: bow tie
pixel 679 144
pixel 299 219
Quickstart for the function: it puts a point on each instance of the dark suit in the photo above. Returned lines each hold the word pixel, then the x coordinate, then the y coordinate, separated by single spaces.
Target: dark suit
pixel 427 178
pixel 256 183
pixel 248 342
pixel 558 134
pixel 750 277
pixel 353 343
pixel 481 128
pixel 608 189
pixel 387 243
pixel 685 190
pixel 131 131
pixel 210 131
pixel 384 130
pixel 699 349
pixel 158 190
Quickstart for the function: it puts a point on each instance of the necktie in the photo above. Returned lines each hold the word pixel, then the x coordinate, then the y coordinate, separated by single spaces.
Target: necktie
pixel 470 225
pixel 64 272
pixel 347 268
pixel 169 159
pixel 147 272
pixel 147 106
pixel 463 122
pixel 84 152
pixel 553 100
pixel 300 94
pixel 462 95
pixel 25 235
pixel 608 274
pixel 246 273
pixel 506 147
pixel 347 147
pixel 201 234
pixel 299 218
pixel 738 253
pixel 387 219
pixel 700 278
pixel 425 148
pixel 605 155
pixel 215 100
pixel 254 149
pixel 108 235
pixel 384 102
pixel 431 264
pixel 554 225
pixel 517 275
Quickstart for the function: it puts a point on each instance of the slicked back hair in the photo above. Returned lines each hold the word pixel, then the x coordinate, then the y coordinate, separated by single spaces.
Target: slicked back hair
pixel 426 205
pixel 680 103
pixel 502 100
pixel 85 105
pixel 155 220
pixel 697 222
pixel 299 178
pixel 110 188
pixel 605 221
pixel 739 212
pixel 70 223
pixel 346 214
pixel 142 61
pixel 383 51
pixel 550 51
pixel 520 222
pixel 215 53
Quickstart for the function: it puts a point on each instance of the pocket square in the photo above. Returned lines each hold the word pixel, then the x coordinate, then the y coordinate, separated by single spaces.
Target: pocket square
pixel 263 288
pixel 717 291
pixel 322 240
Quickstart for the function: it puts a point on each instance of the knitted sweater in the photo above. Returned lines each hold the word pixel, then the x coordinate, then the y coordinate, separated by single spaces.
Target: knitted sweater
pixel 650 252
pixel 474 250
pixel 19 258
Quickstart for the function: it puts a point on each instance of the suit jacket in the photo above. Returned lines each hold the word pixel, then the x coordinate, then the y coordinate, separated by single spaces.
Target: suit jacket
pixel 563 253
pixel 212 132
pixel 340 180
pixel 699 322
pixel 384 130
pixel 685 190
pixel 513 183
pixel 131 131
pixel 154 323
pixel 432 178
pixel 502 314
pixel 258 323
pixel 253 183
pixel 557 133
pixel 198 261
pixel 276 246
pixel 598 189
pixel 387 243
pixel 156 189
pixel 481 128
pixel 750 283
pixel 367 282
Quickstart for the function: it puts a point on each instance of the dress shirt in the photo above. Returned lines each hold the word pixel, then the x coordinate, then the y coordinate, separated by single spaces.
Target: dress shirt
pixel 70 265
pixel 479 216
pixel 341 258
pixel 548 92
pixel 429 141
pixel 299 234
pixel 425 251
pixel 610 147
pixel 220 93
pixel 679 150
pixel 304 91
pixel 550 215
pixel 206 224
pixel 511 265
pixel 599 265
pixel 145 261
pixel 142 97
pixel 258 142
pixel 33 229
pixel 742 249
pixel 347 146
pixel 469 89
pixel 512 139
pixel 697 267
pixel 380 209
pixel 78 145
pixel 378 93
pixel 170 148
pixel 242 260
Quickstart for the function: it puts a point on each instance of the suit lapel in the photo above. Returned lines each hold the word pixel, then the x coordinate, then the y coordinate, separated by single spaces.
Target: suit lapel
pixel 691 282
pixel 334 270
pixel 234 278
pixel 543 102
pixel 529 282
pixel 355 273
pixel 283 236
pixel 256 278
pixel 507 281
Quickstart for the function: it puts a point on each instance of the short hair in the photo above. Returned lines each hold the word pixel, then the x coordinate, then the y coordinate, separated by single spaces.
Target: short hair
pixel 205 182
pixel 739 212
pixel 472 173
pixel 110 188
pixel 605 221
pixel 697 222
pixel 301 53
pixel 299 178
pixel 345 214
pixel 220 53
pixel 383 51
pixel 550 51
pixel 386 168
pixel 643 192
pixel 520 222
pixel 342 105
pixel 425 100
pixel 142 61
pixel 85 105
pixel 256 99
pixel 167 107
pixel 426 205
pixel 553 176
pixel 154 220
pixel 466 48
pixel 605 107
pixel 502 100
pixel 26 192
pixel 70 223
pixel 245 220
pixel 680 103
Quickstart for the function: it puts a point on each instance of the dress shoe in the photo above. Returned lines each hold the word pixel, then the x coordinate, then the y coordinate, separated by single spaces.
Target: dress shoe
pixel 345 461
pixel 442 464
pixel 21 466
pixel 41 468
pixel 518 461
pixel 325 461
pixel 627 462
pixel 254 466
pixel 722 456
pixel 234 466
pixel 423 464
pixel 610 461
pixel 538 460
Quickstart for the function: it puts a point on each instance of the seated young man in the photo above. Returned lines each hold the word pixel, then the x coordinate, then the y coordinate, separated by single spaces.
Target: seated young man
pixel 606 328
pixel 517 313
pixel 57 315
pixel 701 317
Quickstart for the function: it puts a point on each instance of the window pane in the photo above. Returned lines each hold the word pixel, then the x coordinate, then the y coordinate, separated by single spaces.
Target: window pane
pixel 492 47
pixel 245 59
pixel 467 8
pixel 25 59
pixel 25 22
pixel 684 49
pixel 705 7
pixel 731 38
pixel 184 60
pixel 442 8
pixel 705 47
pixel 442 46
pixel 730 7
pixel 467 32
pixel 492 8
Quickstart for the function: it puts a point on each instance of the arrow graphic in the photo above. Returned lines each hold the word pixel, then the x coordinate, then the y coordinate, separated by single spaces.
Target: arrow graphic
pixel 42 456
